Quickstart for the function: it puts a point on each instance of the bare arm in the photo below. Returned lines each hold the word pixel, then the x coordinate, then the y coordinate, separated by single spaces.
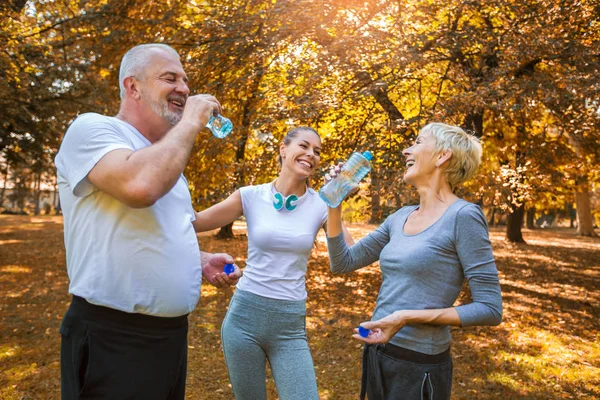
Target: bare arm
pixel 384 329
pixel 334 223
pixel 140 178
pixel 337 226
pixel 220 214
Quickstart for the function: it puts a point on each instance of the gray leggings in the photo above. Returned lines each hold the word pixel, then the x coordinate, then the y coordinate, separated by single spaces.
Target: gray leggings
pixel 257 329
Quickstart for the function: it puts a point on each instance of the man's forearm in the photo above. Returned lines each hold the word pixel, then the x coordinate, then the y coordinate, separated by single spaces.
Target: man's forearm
pixel 162 164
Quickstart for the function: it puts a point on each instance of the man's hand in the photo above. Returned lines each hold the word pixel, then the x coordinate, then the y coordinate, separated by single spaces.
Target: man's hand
pixel 198 110
pixel 212 270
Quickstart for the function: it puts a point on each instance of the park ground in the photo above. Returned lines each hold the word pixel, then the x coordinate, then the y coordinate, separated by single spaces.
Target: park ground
pixel 548 346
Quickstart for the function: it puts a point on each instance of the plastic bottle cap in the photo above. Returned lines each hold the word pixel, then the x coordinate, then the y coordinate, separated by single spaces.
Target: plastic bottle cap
pixel 228 269
pixel 364 332
pixel 368 155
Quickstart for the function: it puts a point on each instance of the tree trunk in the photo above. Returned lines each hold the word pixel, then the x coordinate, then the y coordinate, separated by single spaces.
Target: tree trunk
pixel 585 220
pixel 492 220
pixel 37 194
pixel 531 218
pixel 376 213
pixel 22 192
pixel 572 215
pixel 226 232
pixel 516 215
pixel 514 222
pixel 4 185
pixel 55 199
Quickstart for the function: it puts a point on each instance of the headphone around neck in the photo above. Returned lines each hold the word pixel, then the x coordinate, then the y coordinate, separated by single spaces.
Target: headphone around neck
pixel 280 202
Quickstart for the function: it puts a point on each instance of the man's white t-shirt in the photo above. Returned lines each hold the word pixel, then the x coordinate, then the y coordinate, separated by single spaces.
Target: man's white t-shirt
pixel 135 260
pixel 279 242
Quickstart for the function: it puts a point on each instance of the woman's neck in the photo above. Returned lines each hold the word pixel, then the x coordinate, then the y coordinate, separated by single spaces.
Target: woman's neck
pixel 287 185
pixel 435 197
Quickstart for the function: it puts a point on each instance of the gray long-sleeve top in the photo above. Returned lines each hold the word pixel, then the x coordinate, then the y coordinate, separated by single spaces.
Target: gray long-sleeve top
pixel 426 271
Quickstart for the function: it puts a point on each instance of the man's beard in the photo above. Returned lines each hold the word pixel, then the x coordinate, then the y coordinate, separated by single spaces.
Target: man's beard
pixel 161 108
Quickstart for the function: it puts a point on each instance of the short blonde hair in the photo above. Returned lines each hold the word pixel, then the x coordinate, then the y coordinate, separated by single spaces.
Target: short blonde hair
pixel 465 148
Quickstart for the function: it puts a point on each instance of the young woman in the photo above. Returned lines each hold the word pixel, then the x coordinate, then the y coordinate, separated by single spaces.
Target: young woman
pixel 267 313
pixel 425 253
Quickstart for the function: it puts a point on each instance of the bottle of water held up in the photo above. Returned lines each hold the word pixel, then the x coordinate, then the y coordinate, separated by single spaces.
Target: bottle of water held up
pixel 356 168
pixel 219 126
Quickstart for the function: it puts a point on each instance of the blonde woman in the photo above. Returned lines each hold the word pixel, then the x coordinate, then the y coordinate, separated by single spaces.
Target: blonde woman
pixel 425 253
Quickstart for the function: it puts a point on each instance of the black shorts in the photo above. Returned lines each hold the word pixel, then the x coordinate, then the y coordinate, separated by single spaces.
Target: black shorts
pixel 110 354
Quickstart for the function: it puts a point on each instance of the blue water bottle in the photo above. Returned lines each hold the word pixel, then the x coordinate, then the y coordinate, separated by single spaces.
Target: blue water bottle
pixel 356 168
pixel 219 126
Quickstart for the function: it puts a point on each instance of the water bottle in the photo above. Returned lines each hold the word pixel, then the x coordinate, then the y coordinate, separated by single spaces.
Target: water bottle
pixel 356 168
pixel 219 126
pixel 228 269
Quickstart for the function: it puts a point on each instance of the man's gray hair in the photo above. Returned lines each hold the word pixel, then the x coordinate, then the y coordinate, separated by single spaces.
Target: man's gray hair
pixel 135 61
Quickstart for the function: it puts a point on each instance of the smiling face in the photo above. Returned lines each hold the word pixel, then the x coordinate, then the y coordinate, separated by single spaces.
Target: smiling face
pixel 420 159
pixel 302 154
pixel 163 88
